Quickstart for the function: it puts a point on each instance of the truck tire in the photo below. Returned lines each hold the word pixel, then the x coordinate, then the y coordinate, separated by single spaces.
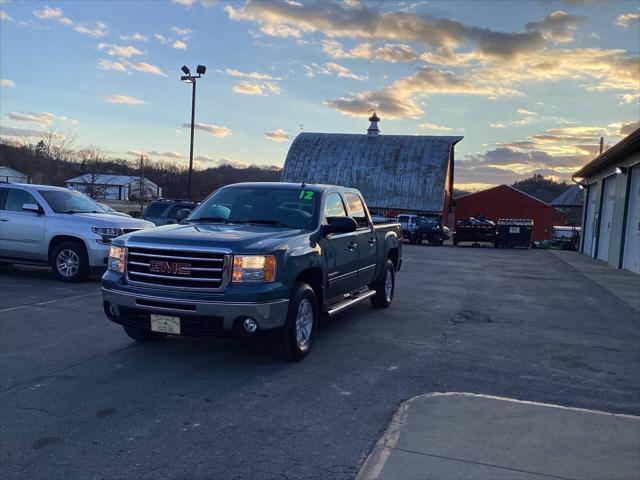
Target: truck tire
pixel 70 262
pixel 455 240
pixel 142 335
pixel 385 286
pixel 295 340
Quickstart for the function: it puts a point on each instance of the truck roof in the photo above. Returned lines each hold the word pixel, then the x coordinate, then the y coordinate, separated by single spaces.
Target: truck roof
pixel 311 186
pixel 36 186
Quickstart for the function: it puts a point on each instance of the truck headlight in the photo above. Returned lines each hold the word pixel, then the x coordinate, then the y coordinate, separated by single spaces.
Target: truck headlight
pixel 116 259
pixel 107 234
pixel 254 268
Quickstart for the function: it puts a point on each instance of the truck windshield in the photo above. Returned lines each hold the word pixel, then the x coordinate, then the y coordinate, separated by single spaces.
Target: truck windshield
pixel 277 207
pixel 70 201
pixel 428 220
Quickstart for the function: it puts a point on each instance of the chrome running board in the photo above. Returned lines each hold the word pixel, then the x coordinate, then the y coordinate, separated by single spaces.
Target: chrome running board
pixel 350 302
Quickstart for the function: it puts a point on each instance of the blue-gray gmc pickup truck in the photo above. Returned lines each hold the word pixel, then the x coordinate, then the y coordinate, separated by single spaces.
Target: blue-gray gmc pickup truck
pixel 254 258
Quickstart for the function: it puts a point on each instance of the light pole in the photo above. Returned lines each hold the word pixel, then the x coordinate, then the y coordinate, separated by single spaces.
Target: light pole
pixel 187 77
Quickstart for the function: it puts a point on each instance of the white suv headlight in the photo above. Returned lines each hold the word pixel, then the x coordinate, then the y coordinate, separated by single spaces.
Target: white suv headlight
pixel 116 259
pixel 107 234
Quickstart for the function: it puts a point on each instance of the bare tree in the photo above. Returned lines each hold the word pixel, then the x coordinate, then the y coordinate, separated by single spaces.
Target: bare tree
pixel 53 146
pixel 60 143
pixel 95 181
pixel 140 189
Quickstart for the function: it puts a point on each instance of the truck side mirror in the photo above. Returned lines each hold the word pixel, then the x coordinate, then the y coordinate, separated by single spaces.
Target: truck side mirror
pixel 182 214
pixel 32 207
pixel 340 225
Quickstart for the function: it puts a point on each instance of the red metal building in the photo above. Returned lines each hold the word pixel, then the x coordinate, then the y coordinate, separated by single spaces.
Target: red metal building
pixel 504 201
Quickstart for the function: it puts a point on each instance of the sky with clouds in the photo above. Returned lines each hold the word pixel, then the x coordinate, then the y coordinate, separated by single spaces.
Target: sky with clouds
pixel 531 85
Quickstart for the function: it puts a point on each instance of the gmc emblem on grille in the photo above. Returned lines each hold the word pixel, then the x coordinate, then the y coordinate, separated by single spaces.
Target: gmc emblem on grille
pixel 177 268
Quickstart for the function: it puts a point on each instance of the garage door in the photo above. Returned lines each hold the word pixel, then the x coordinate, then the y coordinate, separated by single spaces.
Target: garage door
pixel 631 259
pixel 589 220
pixel 606 217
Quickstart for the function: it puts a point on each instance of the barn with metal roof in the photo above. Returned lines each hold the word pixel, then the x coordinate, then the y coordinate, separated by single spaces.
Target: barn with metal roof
pixel 570 202
pixel 412 173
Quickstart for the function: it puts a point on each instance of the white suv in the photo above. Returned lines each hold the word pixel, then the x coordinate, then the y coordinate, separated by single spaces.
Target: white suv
pixel 41 224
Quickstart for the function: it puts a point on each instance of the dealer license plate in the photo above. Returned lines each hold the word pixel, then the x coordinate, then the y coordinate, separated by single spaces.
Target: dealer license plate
pixel 514 229
pixel 165 324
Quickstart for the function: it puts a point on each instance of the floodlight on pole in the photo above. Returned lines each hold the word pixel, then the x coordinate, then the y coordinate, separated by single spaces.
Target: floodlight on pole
pixel 201 69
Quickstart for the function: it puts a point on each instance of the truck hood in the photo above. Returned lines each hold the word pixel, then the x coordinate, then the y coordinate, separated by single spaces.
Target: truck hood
pixel 104 220
pixel 241 238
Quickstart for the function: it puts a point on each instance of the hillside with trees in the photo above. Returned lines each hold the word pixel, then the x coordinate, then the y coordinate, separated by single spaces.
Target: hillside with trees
pixel 545 189
pixel 53 161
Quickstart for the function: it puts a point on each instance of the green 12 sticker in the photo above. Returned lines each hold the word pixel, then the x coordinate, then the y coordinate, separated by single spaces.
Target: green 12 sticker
pixel 306 195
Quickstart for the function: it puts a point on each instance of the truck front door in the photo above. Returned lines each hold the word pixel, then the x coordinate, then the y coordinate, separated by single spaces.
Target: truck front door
pixel 340 252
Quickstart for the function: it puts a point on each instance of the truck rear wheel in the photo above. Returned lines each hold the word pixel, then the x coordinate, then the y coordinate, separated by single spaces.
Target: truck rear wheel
pixel 385 286
pixel 295 340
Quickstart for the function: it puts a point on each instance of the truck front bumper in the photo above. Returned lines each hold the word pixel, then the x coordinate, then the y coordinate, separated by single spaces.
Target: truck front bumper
pixel 197 317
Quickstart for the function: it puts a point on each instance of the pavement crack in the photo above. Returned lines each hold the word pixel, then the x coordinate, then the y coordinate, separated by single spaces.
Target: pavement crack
pixel 36 409
pixel 64 369
pixel 445 457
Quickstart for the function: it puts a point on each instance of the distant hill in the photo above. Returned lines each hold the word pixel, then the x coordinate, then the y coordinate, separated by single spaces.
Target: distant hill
pixel 540 187
pixel 458 193
pixel 51 169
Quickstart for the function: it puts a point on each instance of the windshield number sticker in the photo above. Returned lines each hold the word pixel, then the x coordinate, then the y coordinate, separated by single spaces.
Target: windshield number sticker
pixel 306 195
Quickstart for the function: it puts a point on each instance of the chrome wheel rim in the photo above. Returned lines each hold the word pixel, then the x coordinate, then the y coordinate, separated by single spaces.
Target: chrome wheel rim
pixel 68 263
pixel 388 285
pixel 304 324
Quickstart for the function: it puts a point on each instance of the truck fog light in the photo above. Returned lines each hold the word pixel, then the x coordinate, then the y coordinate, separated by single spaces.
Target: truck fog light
pixel 249 325
pixel 110 310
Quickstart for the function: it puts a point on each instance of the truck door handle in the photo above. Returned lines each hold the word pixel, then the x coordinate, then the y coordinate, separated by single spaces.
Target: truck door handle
pixel 352 246
pixel 4 219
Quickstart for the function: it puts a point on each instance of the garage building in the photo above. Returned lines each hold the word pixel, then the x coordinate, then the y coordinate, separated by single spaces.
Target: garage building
pixel 505 201
pixel 611 220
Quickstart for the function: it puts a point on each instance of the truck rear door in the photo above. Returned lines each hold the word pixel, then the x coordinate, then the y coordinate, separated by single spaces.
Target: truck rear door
pixel 365 238
pixel 340 252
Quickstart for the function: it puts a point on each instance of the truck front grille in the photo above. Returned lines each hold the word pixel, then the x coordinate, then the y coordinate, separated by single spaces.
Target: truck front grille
pixel 178 269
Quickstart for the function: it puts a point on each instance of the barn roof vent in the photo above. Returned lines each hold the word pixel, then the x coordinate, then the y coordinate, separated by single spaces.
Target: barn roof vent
pixel 373 130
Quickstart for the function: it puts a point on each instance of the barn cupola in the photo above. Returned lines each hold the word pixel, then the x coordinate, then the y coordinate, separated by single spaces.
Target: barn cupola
pixel 373 130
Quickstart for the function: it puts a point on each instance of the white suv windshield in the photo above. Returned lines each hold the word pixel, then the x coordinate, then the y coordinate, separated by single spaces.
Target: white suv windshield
pixel 69 201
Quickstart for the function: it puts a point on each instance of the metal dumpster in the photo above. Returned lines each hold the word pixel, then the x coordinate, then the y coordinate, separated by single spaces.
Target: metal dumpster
pixel 474 229
pixel 514 232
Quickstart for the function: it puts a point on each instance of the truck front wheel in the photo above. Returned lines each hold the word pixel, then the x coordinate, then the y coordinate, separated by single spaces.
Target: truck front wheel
pixel 70 262
pixel 385 286
pixel 295 340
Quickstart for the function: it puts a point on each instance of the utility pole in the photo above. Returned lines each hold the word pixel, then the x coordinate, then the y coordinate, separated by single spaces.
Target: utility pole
pixel 192 79
pixel 601 145
pixel 193 119
pixel 141 186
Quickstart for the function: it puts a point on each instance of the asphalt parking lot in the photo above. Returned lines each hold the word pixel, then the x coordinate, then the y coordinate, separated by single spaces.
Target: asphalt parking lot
pixel 80 400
